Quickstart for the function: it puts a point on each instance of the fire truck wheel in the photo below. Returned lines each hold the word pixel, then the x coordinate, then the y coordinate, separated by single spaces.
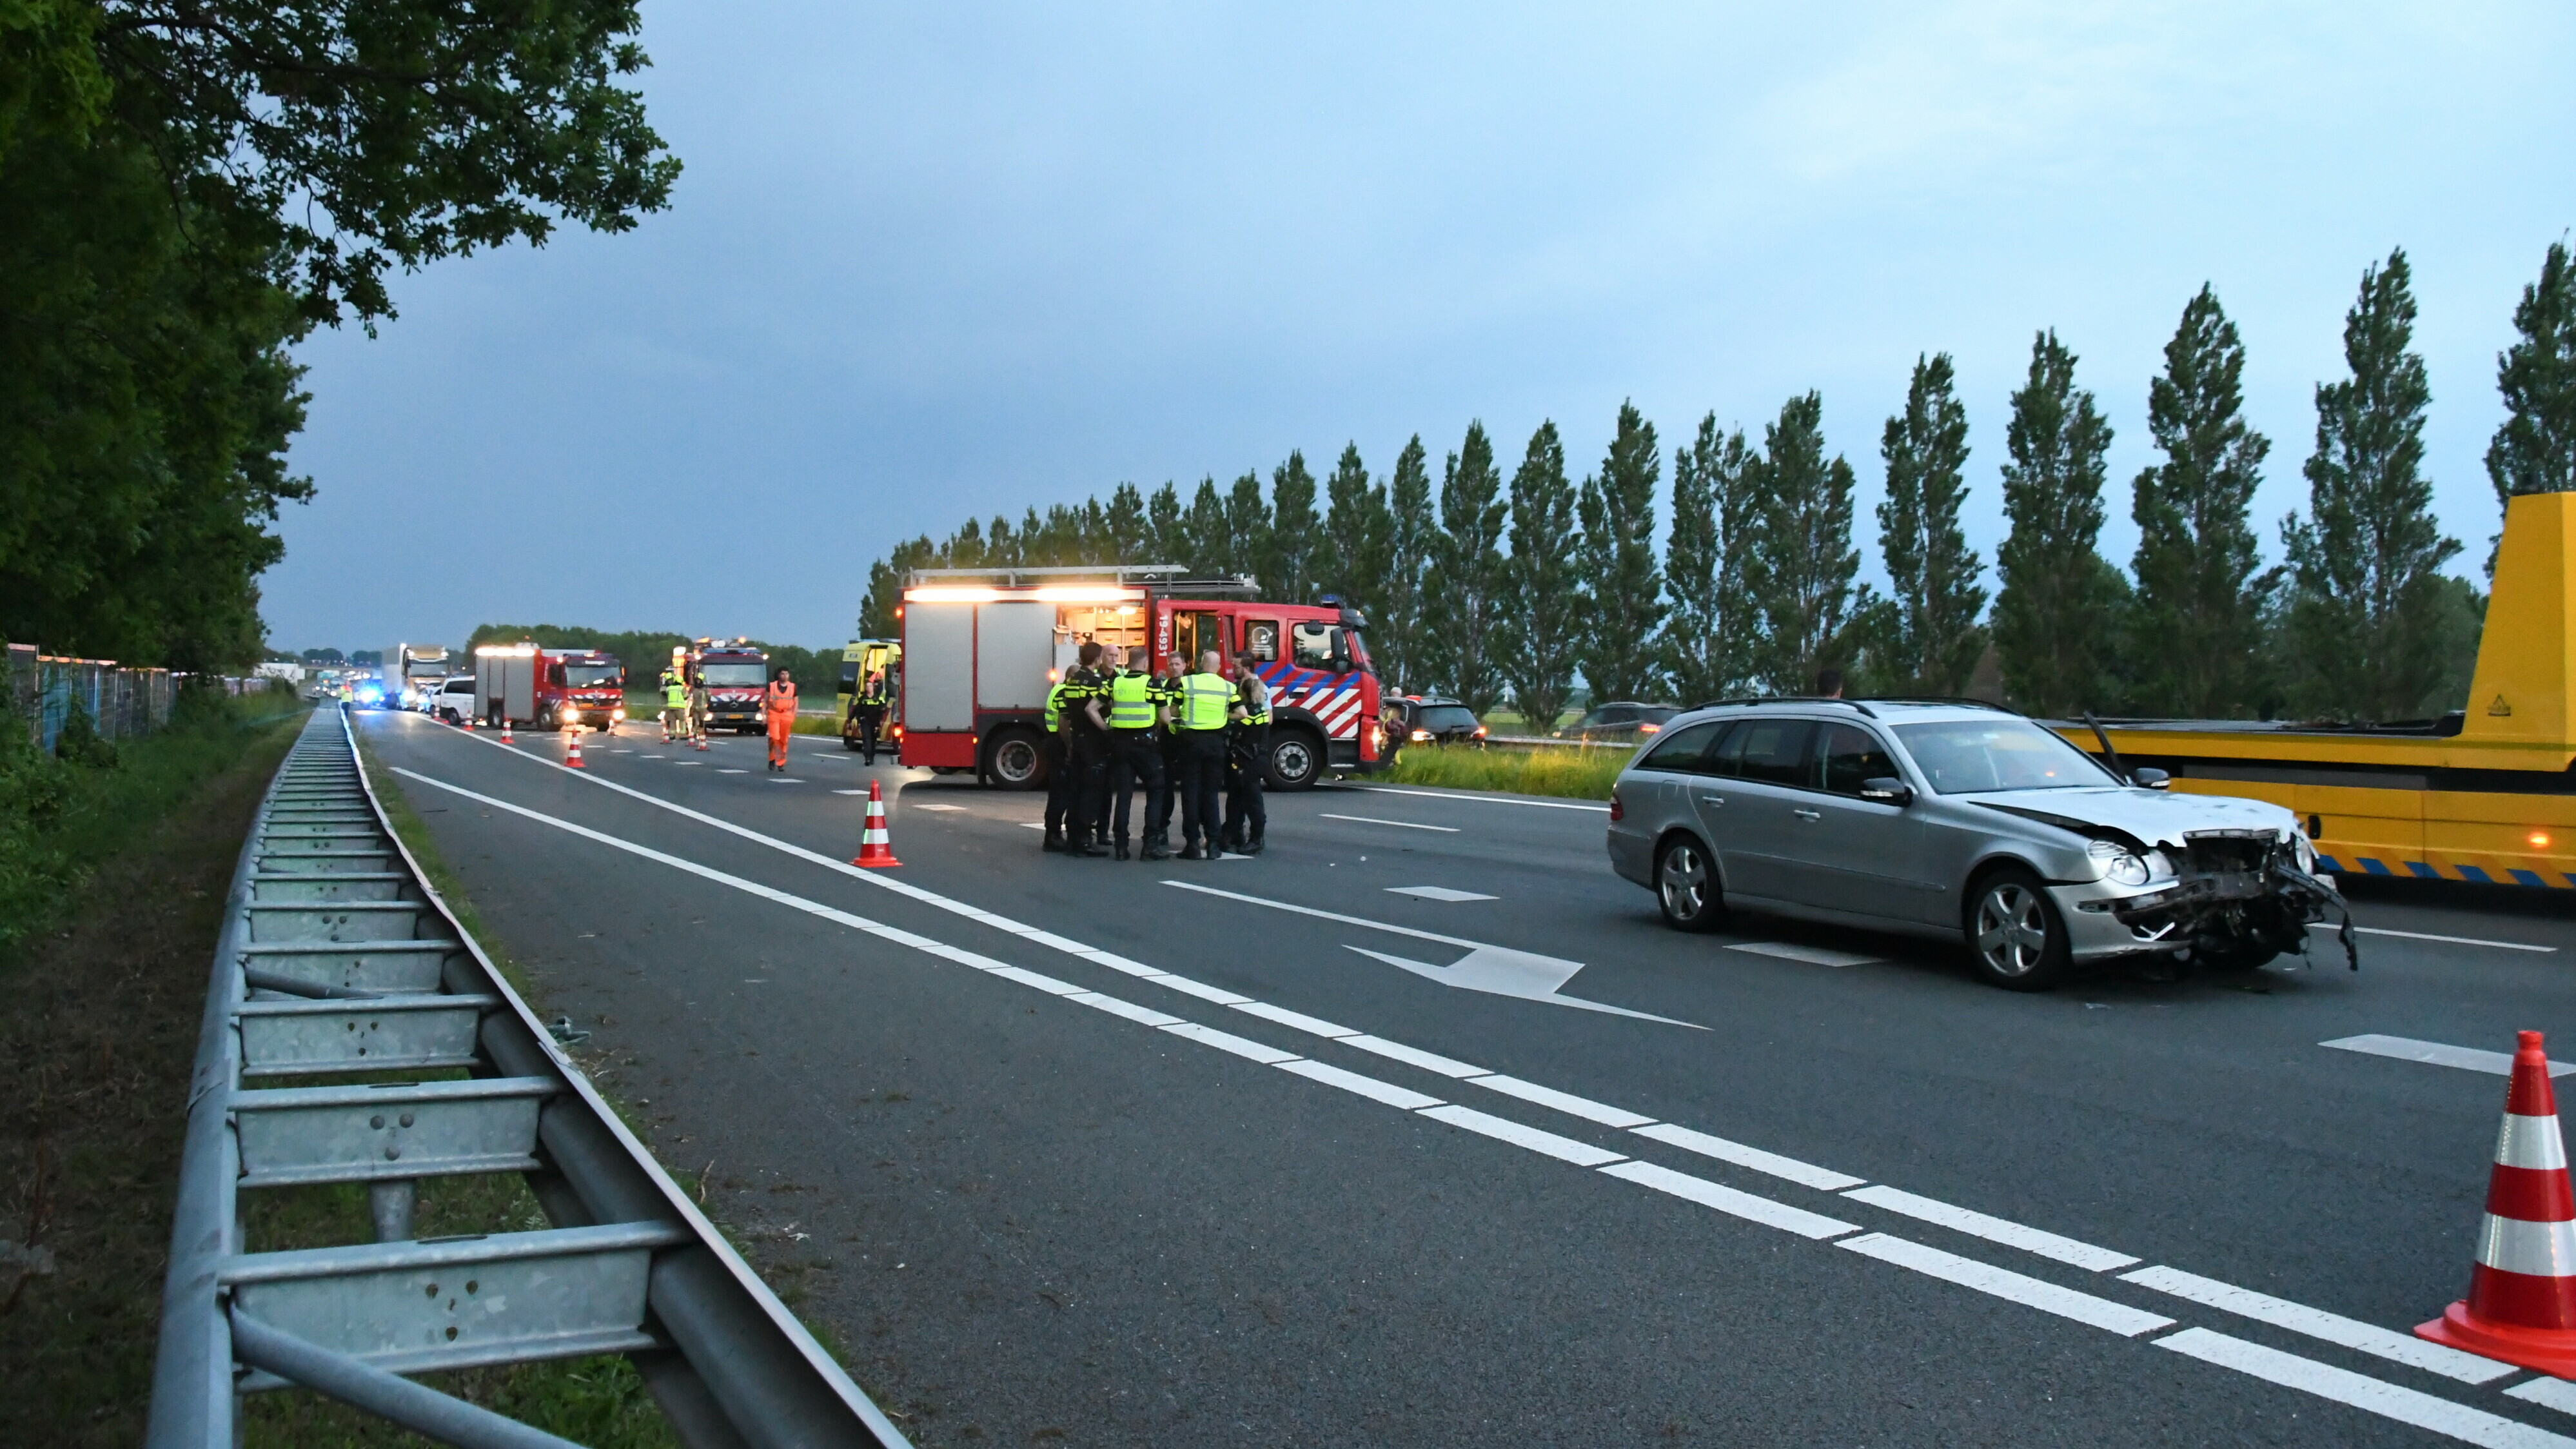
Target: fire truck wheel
pixel 1013 760
pixel 1296 759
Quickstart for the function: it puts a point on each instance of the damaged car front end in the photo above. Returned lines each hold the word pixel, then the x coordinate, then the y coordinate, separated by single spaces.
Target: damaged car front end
pixel 2231 899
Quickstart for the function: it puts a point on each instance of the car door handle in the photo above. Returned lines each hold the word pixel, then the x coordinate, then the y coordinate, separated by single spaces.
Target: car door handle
pixel 1808 814
pixel 1710 800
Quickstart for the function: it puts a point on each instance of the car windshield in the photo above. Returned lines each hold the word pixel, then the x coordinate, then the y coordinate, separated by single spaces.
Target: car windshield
pixel 1966 757
pixel 592 676
pixel 733 676
pixel 1445 717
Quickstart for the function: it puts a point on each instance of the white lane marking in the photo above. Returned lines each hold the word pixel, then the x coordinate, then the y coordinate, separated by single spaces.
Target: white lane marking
pixel 1048 984
pixel 696 762
pixel 1479 799
pixel 2452 940
pixel 1566 1102
pixel 621 752
pixel 2003 1283
pixel 939 807
pixel 1128 1009
pixel 2547 1392
pixel 1727 1200
pixel 652 757
pixel 836 792
pixel 1201 990
pixel 1803 1173
pixel 1226 1041
pixel 1296 1020
pixel 2406 1406
pixel 2437 1054
pixel 727 772
pixel 1369 1087
pixel 1992 1229
pixel 1503 1129
pixel 1438 893
pixel 1812 955
pixel 777 779
pixel 1416 1057
pixel 1373 820
pixel 2316 1323
pixel 1522 975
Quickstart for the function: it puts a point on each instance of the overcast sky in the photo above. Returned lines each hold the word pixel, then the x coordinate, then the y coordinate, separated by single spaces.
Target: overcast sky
pixel 933 261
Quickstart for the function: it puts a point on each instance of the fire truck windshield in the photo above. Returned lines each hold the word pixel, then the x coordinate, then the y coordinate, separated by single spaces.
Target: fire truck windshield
pixel 592 676
pixel 733 676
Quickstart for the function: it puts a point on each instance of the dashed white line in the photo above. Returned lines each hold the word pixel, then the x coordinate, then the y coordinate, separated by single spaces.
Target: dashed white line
pixel 729 772
pixel 1415 1057
pixel 2316 1323
pixel 1480 799
pixel 2406 1406
pixel 1806 1174
pixel 1727 1200
pixel 1373 820
pixel 1242 1046
pixel 935 807
pixel 1128 1009
pixel 1566 1102
pixel 2006 1284
pixel 836 792
pixel 1369 1087
pixel 1504 1129
pixel 2436 1054
pixel 2547 1392
pixel 1992 1229
pixel 1297 1020
pixel 2452 940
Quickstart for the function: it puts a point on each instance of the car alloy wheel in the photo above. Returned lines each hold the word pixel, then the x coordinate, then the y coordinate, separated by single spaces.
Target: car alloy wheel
pixel 2016 935
pixel 1684 887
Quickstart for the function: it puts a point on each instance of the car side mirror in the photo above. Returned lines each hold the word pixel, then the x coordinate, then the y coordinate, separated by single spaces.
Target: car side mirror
pixel 2151 778
pixel 1887 790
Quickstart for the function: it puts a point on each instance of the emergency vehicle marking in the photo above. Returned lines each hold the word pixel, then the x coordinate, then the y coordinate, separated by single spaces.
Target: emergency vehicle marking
pixel 1338 710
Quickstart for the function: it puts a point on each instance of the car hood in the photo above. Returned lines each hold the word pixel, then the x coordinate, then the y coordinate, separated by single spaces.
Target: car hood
pixel 2141 819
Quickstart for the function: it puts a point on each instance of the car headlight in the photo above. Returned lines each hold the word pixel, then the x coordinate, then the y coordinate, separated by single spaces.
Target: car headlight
pixel 2119 866
pixel 617 714
pixel 571 711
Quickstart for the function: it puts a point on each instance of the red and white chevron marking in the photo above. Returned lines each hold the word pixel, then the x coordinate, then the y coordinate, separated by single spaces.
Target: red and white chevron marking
pixel 1338 710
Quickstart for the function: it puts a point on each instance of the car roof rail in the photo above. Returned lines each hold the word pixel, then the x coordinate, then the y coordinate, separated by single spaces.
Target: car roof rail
pixel 1789 699
pixel 1961 701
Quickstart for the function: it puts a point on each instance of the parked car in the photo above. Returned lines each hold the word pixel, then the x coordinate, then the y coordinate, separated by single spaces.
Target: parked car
pixel 454 701
pixel 1957 822
pixel 1431 719
pixel 1621 721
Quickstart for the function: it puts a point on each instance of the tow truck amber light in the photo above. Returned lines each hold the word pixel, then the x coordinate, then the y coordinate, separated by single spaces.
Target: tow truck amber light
pixel 1648 729
pixel 2540 840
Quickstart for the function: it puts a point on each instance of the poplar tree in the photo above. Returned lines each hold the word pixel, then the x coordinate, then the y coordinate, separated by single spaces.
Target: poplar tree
pixel 1464 587
pixel 1247 528
pixel 2060 602
pixel 2367 605
pixel 1125 528
pixel 1399 643
pixel 1543 620
pixel 2534 450
pixel 1622 586
pixel 1803 561
pixel 2198 620
pixel 1289 576
pixel 1352 564
pixel 1210 549
pixel 1706 648
pixel 1932 572
pixel 1167 541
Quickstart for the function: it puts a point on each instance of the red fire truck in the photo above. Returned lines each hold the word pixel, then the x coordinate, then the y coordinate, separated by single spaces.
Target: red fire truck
pixel 735 673
pixel 981 647
pixel 548 689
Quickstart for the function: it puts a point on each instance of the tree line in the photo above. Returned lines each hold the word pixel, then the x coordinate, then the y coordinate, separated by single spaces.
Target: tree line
pixel 1501 588
pixel 186 191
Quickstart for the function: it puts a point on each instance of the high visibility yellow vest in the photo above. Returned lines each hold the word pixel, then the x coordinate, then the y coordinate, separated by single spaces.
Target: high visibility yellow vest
pixel 675 695
pixel 1131 702
pixel 1055 707
pixel 1253 714
pixel 1204 701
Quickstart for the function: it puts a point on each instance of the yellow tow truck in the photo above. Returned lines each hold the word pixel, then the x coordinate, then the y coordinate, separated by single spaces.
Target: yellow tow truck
pixel 2484 794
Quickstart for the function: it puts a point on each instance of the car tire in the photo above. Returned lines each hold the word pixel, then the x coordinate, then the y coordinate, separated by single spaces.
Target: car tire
pixel 2014 932
pixel 1686 885
pixel 1296 760
pixel 1015 759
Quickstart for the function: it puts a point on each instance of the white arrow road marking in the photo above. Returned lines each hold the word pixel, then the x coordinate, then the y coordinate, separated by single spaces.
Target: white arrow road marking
pixel 1502 971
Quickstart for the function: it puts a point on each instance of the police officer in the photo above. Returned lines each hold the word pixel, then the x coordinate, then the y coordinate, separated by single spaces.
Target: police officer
pixel 1247 755
pixel 867 710
pixel 1134 754
pixel 1166 693
pixel 1206 699
pixel 1059 761
pixel 1086 723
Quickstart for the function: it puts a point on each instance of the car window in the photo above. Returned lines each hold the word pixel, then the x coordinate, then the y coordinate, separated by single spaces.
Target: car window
pixel 1850 755
pixel 1685 750
pixel 1445 717
pixel 1313 644
pixel 1961 757
pixel 1657 713
pixel 1619 714
pixel 1773 751
pixel 1261 640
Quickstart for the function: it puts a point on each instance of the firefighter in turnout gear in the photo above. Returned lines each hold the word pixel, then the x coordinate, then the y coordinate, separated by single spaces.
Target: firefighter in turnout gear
pixel 780 703
pixel 1134 755
pixel 700 706
pixel 1247 751
pixel 675 706
pixel 1206 699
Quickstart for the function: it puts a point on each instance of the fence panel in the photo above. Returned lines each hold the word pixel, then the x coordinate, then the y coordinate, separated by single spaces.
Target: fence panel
pixel 122 704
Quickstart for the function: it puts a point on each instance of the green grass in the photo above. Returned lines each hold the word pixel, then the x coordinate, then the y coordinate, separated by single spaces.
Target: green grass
pixel 1574 773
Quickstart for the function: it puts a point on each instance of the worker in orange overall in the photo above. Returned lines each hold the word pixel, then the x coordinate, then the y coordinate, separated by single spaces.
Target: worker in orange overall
pixel 781 707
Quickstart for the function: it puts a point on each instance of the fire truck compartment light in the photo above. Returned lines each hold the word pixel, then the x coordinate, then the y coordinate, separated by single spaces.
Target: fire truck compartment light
pixel 1090 594
pixel 508 651
pixel 943 594
pixel 2540 839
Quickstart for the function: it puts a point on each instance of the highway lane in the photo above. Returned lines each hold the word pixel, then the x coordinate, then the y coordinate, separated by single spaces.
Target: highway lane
pixel 2185 1124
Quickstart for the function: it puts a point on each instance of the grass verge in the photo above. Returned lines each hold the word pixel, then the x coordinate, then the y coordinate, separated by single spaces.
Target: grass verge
pixel 1575 774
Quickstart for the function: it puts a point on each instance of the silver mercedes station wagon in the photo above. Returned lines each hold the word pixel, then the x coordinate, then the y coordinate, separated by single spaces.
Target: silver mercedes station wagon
pixel 1961 822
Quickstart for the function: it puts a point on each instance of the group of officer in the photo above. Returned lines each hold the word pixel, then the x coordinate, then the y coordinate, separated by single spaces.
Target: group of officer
pixel 1198 735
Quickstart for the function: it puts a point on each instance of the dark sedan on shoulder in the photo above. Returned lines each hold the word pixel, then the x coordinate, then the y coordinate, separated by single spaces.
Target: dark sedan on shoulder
pixel 1621 721
pixel 1429 719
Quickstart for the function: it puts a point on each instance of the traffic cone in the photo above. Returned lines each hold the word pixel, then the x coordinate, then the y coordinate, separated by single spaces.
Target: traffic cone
pixel 2521 1306
pixel 875 846
pixel 469 724
pixel 505 730
pixel 572 749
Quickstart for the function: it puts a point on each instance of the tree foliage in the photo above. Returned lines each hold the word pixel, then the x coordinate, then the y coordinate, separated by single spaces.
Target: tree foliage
pixel 2059 606
pixel 1802 559
pixel 1402 644
pixel 1465 589
pixel 1543 633
pixel 1352 563
pixel 1622 584
pixel 1293 537
pixel 2198 614
pixel 2367 605
pixel 1709 639
pixel 2534 450
pixel 1932 573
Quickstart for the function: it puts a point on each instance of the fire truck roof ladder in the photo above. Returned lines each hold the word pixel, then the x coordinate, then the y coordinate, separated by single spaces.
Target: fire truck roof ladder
pixel 1165 576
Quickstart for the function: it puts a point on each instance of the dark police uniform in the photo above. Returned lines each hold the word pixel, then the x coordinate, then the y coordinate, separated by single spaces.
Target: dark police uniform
pixel 1247 755
pixel 1168 739
pixel 1088 748
pixel 1060 781
pixel 1135 755
pixel 1205 700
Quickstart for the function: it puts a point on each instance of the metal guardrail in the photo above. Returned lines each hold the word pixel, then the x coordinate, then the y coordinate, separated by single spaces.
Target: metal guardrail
pixel 337 960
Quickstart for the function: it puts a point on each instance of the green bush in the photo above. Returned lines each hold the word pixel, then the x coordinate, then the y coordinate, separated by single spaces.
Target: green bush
pixel 1581 774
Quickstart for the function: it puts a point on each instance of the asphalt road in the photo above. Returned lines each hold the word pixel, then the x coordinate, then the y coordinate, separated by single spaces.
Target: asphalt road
pixel 1128 1153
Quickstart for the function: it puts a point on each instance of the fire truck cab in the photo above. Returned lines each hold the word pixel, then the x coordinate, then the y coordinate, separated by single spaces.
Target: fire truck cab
pixel 736 675
pixel 982 647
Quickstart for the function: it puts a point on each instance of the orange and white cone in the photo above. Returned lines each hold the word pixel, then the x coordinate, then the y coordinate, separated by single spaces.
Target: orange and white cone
pixel 505 730
pixel 469 723
pixel 875 846
pixel 572 749
pixel 2521 1306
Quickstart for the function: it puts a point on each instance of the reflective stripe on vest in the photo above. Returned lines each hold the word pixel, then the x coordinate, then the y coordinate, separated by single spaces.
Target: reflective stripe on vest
pixel 1204 701
pixel 1255 714
pixel 1131 703
pixel 675 696
pixel 1055 707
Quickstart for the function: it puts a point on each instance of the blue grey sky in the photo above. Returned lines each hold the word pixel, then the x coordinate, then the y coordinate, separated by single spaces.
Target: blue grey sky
pixel 933 261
